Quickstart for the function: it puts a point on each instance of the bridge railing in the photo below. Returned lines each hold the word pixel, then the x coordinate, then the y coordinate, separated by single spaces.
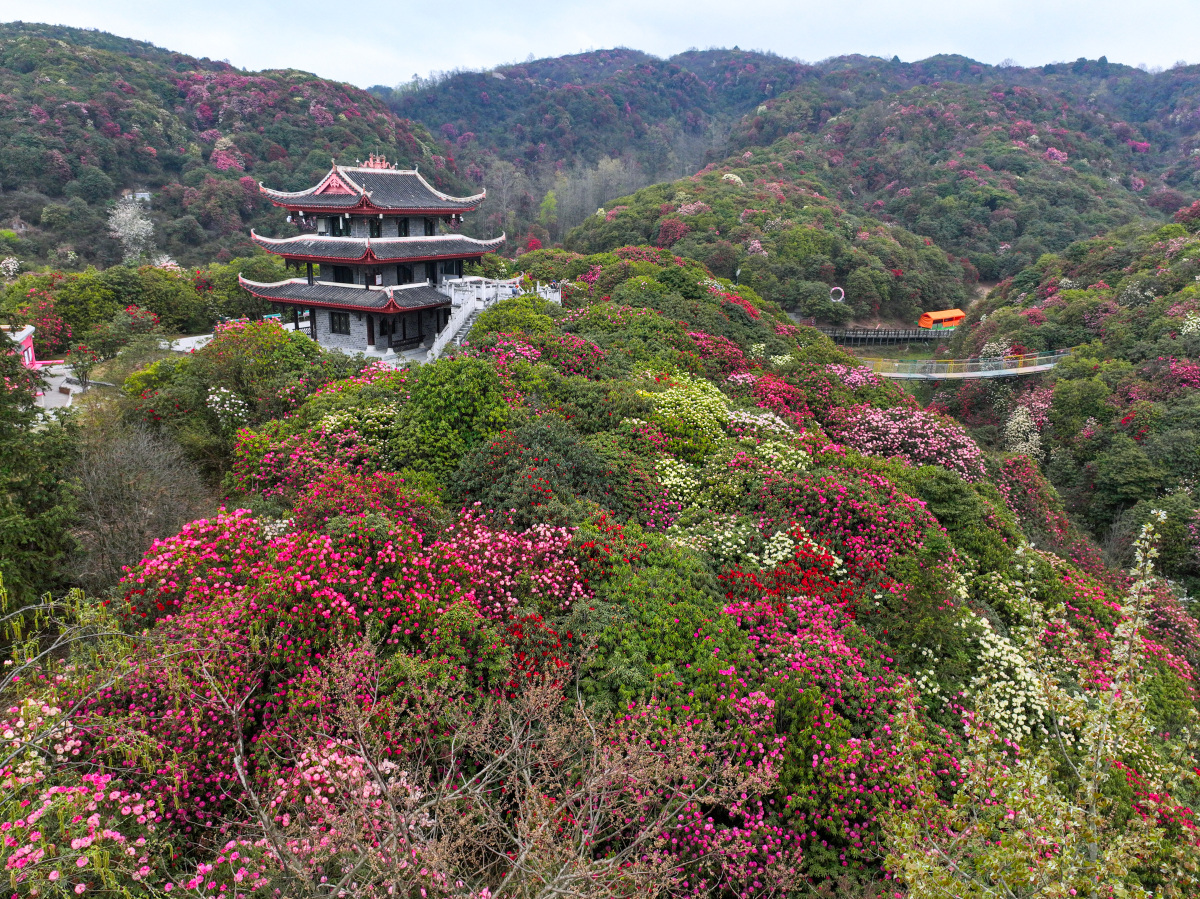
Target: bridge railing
pixel 855 336
pixel 966 368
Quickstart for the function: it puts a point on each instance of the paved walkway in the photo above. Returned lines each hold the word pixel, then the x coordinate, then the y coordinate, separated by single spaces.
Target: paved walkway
pixel 60 388
pixel 186 344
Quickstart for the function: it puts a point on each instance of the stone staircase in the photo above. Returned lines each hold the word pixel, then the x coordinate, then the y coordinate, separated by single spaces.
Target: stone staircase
pixel 461 334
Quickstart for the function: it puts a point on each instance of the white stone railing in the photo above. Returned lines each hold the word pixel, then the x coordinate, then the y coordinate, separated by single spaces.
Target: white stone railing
pixel 489 291
pixel 473 294
pixel 459 316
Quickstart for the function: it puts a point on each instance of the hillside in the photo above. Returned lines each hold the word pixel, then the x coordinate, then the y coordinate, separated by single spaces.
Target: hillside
pixel 85 116
pixel 656 572
pixel 939 146
pixel 664 115
pixel 768 224
pixel 997 173
pixel 1116 427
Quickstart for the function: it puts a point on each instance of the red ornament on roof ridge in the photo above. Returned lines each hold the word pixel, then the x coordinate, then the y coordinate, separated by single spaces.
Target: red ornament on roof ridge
pixel 377 162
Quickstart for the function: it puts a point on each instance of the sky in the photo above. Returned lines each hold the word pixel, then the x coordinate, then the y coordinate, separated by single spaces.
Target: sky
pixel 368 42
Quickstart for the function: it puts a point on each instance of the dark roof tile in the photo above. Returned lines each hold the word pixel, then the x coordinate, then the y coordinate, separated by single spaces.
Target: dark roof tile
pixel 348 296
pixel 388 189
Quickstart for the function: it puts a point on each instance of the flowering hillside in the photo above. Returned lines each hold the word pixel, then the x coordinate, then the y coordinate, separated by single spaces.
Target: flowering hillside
pixel 767 220
pixel 651 594
pixel 1114 426
pixel 84 116
pixel 998 172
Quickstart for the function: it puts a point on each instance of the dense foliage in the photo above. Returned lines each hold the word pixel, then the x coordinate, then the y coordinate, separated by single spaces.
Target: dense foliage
pixel 995 163
pixel 999 173
pixel 1114 424
pixel 652 594
pixel 65 304
pixel 86 115
pixel 770 226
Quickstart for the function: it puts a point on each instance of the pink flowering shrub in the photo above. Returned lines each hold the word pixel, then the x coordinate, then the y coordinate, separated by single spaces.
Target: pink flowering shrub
pixel 568 353
pixel 342 493
pixel 500 568
pixel 854 377
pixel 670 232
pixel 1173 375
pixel 918 437
pixel 223 581
pixel 93 834
pixel 503 349
pixel 284 466
pixel 780 397
pixel 864 517
pixel 643 254
pixel 721 355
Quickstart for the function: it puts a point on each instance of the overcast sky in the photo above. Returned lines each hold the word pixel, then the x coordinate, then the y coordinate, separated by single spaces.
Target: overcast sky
pixel 369 42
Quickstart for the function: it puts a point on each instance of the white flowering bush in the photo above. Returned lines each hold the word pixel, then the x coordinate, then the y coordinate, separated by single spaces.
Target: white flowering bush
pixel 725 539
pixel 778 548
pixel 1006 688
pixel 231 410
pixel 274 528
pixel 1021 434
pixel 1191 324
pixel 995 349
pixel 732 178
pixel 129 224
pixel 1016 826
pixel 679 478
pixel 756 422
pixel 1137 293
pixel 10 266
pixel 22 730
pixel 781 456
pixel 374 424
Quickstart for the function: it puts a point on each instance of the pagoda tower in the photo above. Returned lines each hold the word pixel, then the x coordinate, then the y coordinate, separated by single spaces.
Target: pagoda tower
pixel 375 268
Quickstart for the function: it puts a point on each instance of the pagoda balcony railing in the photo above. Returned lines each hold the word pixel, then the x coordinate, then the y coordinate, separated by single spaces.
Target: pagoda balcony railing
pixel 473 289
pixel 472 294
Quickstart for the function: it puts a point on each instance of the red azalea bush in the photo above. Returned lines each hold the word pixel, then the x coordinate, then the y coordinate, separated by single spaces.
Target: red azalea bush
pixel 52 334
pixel 343 493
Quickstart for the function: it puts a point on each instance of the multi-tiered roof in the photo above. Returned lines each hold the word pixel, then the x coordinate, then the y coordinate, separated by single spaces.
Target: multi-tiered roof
pixel 371 189
pixel 371 250
pixel 347 207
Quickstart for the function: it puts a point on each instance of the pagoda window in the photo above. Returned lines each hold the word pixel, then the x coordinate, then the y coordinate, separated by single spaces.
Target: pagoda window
pixel 402 227
pixel 404 274
pixel 339 322
pixel 342 274
pixel 339 227
pixel 430 228
pixel 375 228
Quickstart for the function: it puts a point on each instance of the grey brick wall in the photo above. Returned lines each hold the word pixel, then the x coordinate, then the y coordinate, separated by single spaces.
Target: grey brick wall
pixel 355 341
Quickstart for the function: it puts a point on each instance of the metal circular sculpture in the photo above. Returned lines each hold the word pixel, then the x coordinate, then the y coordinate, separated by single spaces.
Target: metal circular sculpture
pixel 837 295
